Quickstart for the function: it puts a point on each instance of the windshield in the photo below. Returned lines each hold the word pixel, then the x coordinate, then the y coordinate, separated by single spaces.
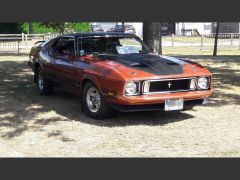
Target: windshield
pixel 112 45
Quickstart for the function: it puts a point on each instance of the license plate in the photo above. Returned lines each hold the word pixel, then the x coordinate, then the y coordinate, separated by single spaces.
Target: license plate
pixel 173 104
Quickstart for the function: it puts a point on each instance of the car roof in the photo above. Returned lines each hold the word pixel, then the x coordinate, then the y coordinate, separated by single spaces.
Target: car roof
pixel 103 34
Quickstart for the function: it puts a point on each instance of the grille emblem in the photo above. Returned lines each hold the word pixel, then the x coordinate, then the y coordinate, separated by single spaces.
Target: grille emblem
pixel 169 85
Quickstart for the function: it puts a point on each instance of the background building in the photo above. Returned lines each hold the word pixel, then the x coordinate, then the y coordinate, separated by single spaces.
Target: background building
pixel 190 28
pixel 226 27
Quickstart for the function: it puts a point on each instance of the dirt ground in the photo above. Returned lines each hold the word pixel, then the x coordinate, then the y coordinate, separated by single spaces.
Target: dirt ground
pixel 32 125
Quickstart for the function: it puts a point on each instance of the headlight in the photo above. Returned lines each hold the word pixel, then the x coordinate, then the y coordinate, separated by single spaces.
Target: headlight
pixel 203 83
pixel 132 88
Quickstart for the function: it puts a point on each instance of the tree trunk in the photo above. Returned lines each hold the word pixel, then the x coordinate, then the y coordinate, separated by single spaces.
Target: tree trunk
pixel 152 36
pixel 30 28
pixel 216 40
pixel 62 28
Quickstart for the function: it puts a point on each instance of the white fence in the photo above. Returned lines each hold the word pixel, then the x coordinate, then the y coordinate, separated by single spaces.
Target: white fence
pixel 17 43
pixel 204 41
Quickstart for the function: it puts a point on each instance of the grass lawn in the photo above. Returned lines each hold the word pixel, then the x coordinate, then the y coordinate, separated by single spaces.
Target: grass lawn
pixel 32 125
pixel 187 39
pixel 196 51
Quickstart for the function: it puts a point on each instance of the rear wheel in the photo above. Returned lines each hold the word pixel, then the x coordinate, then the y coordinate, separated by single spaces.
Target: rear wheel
pixel 44 85
pixel 94 103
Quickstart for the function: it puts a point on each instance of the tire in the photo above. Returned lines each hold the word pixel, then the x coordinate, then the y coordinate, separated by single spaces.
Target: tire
pixel 44 86
pixel 94 104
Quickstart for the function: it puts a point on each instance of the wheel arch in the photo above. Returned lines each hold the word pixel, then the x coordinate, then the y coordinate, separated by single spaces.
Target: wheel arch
pixel 91 79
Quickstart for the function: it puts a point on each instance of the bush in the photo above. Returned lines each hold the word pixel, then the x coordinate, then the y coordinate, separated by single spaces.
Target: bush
pixel 40 28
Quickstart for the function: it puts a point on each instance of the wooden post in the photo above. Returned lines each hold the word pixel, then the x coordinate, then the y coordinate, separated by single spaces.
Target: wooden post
pixel 216 40
pixel 172 40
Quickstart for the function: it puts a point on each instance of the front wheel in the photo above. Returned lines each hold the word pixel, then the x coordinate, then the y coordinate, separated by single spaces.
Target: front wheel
pixel 44 85
pixel 94 103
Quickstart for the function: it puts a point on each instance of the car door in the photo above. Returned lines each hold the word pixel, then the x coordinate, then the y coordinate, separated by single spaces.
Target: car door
pixel 63 69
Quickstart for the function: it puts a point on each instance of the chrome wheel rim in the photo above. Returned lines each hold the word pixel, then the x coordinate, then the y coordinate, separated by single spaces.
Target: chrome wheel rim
pixel 40 80
pixel 93 99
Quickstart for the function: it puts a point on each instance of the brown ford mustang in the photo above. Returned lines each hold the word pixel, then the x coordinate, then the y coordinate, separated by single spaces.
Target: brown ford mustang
pixel 117 71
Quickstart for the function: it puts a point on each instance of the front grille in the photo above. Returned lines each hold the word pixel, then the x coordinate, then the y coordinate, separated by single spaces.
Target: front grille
pixel 169 85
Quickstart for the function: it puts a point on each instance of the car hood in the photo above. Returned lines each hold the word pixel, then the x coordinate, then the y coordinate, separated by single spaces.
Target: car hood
pixel 149 65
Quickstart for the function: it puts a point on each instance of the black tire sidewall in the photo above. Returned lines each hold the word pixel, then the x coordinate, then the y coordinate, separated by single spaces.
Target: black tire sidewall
pixel 104 110
pixel 47 86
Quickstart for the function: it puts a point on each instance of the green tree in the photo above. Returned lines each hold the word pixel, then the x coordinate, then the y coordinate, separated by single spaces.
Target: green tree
pixel 42 27
pixel 67 26
pixel 82 27
pixel 30 27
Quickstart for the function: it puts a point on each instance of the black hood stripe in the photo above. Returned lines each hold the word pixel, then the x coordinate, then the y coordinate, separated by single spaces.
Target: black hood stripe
pixel 154 64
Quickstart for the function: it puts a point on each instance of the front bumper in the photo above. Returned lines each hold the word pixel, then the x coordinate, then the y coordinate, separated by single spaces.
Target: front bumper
pixel 158 98
pixel 157 106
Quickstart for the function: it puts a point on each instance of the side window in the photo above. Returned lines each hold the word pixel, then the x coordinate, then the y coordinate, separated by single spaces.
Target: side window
pixel 63 46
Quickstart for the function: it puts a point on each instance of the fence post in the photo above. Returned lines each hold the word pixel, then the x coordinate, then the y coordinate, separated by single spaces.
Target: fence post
pixel 231 40
pixel 18 47
pixel 26 40
pixel 22 37
pixel 172 40
pixel 201 42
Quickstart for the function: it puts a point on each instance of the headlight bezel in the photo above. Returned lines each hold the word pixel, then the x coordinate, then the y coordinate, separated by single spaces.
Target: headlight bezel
pixel 207 81
pixel 137 92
